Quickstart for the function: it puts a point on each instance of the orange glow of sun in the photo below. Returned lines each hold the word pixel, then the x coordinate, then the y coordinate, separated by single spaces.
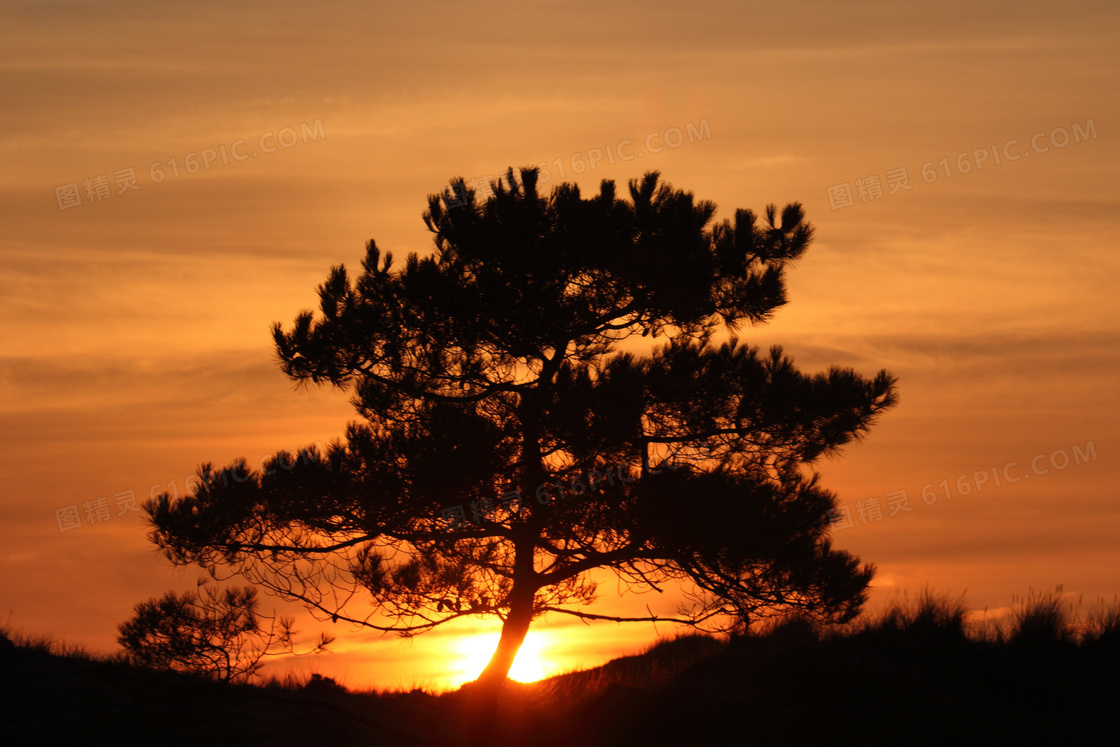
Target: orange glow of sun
pixel 472 654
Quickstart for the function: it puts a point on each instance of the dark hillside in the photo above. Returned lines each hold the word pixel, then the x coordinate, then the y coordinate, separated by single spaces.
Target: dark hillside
pixel 912 677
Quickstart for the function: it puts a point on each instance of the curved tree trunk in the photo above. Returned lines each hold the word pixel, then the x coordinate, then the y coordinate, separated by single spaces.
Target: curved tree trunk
pixel 514 630
pixel 523 594
pixel 488 687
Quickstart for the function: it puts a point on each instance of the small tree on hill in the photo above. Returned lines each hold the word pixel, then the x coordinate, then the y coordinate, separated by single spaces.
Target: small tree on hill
pixel 510 445
pixel 217 633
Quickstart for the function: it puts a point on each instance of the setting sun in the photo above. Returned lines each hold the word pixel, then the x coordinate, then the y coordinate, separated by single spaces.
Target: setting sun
pixel 474 652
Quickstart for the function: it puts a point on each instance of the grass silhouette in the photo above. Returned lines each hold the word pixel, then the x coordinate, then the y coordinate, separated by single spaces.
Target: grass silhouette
pixel 925 670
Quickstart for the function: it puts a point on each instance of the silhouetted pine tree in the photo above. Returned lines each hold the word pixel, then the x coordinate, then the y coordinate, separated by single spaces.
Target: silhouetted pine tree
pixel 509 444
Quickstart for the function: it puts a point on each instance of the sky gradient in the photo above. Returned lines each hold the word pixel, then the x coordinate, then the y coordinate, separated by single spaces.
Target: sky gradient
pixel 958 162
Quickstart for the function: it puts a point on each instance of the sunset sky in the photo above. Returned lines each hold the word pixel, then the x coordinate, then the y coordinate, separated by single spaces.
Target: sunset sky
pixel 177 176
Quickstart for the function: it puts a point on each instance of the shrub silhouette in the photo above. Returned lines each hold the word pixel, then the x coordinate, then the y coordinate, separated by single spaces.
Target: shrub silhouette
pixel 1043 619
pixel 216 633
pixel 929 615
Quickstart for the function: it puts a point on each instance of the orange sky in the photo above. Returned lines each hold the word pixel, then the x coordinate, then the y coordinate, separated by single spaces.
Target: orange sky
pixel 135 324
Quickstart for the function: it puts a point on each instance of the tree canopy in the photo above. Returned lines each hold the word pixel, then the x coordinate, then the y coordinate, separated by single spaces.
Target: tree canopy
pixel 517 432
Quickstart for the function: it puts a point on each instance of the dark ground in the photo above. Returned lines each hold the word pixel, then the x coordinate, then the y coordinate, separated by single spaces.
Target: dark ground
pixel 878 687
